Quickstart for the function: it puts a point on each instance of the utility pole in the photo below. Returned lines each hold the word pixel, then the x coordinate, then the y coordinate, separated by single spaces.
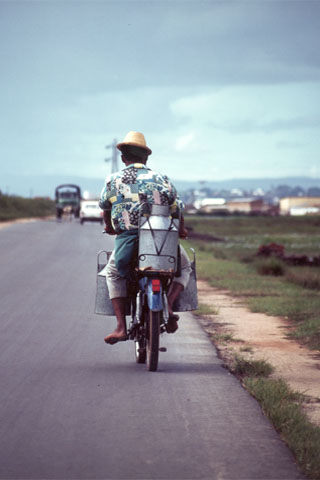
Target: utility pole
pixel 114 156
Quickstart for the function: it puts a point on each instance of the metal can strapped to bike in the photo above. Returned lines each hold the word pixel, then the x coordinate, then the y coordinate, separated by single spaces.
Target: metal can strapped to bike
pixel 158 241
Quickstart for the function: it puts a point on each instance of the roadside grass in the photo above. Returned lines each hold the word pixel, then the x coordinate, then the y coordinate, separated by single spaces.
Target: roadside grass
pixel 251 368
pixel 306 277
pixel 266 285
pixel 269 266
pixel 205 309
pixel 13 207
pixel 246 349
pixel 224 337
pixel 283 407
pixel 309 331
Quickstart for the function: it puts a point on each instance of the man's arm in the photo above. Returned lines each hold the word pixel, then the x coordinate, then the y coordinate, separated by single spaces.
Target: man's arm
pixel 107 219
pixel 183 232
pixel 104 204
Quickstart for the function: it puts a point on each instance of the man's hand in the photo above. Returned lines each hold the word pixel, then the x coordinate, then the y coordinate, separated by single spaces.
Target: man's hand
pixel 110 231
pixel 183 233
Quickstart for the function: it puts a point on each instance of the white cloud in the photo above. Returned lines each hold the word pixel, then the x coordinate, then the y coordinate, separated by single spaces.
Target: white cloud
pixel 184 142
pixel 247 108
pixel 314 171
pixel 239 130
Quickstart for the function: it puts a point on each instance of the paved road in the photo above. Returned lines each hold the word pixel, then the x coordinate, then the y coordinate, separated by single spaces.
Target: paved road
pixel 74 408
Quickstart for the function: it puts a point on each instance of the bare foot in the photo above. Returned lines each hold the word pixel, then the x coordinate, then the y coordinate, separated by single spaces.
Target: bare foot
pixel 116 336
pixel 172 325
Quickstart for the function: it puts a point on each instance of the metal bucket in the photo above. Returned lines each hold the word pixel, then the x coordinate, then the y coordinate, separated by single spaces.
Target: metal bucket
pixel 158 241
pixel 103 304
pixel 187 300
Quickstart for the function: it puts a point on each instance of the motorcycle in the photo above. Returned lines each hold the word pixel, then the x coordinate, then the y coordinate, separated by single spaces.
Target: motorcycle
pixel 147 304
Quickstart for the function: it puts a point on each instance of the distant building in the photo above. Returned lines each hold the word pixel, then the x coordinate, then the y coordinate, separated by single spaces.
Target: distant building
pixel 245 205
pixel 236 192
pixel 211 205
pixel 258 192
pixel 299 205
pixel 242 205
pixel 304 211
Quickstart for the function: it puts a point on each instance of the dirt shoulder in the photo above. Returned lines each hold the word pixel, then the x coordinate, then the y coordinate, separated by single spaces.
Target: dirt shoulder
pixel 265 337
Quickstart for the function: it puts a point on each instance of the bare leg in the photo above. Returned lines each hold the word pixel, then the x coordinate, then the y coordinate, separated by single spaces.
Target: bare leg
pixel 174 291
pixel 120 333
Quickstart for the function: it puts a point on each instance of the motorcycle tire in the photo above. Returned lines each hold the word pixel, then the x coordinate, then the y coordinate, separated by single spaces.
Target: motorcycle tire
pixel 153 336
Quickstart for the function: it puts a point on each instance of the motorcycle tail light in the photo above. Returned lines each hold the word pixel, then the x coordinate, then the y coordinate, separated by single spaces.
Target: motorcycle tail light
pixel 156 285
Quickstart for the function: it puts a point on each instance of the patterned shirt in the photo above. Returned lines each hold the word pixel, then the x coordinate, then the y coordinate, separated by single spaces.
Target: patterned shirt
pixel 124 191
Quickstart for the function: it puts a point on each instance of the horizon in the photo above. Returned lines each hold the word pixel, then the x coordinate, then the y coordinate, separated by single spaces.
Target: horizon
pixel 45 185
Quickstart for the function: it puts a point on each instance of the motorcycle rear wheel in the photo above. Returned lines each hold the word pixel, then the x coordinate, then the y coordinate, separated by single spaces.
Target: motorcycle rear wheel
pixel 153 340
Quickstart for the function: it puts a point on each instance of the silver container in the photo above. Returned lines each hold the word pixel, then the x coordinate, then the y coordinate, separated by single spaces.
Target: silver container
pixel 187 300
pixel 158 241
pixel 103 304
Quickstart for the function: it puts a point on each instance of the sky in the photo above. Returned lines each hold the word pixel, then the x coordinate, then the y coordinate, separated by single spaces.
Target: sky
pixel 220 89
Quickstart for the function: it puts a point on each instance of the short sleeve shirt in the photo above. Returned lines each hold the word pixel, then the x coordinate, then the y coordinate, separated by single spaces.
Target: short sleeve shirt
pixel 124 191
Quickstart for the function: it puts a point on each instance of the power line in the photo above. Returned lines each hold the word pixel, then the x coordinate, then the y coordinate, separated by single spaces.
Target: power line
pixel 114 156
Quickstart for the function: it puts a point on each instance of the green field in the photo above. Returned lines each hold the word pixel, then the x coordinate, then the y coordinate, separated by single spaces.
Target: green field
pixel 243 235
pixel 227 257
pixel 13 207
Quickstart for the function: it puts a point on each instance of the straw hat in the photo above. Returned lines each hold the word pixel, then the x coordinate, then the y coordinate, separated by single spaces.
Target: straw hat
pixel 135 139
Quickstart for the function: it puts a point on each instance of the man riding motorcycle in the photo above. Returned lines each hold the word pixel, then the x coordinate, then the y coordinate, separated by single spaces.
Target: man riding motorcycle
pixel 121 198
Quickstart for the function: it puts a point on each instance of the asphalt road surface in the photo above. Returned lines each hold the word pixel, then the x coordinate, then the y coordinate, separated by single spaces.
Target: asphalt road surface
pixel 75 408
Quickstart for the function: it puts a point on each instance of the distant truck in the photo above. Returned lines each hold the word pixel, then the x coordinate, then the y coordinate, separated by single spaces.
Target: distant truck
pixel 68 199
